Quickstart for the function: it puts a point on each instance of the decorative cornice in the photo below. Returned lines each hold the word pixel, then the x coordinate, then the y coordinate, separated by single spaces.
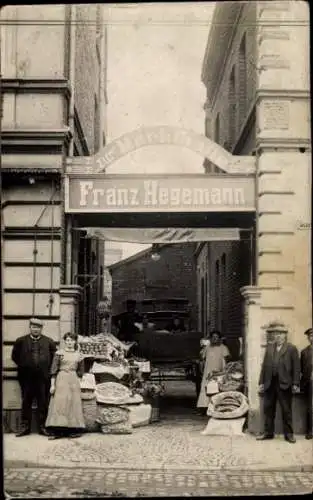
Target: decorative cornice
pixel 285 93
pixel 36 137
pixel 70 291
pixel 283 143
pixel 38 85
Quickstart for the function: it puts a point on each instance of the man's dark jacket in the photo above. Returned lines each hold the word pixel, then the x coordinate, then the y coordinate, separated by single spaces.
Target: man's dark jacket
pixel 306 367
pixel 22 355
pixel 288 367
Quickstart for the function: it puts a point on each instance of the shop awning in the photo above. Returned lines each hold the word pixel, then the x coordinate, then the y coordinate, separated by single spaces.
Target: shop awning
pixel 163 235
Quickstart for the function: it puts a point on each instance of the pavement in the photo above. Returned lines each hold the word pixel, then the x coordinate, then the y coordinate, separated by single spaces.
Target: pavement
pixel 170 457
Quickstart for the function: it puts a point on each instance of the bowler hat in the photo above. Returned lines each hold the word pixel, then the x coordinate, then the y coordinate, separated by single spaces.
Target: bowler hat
pixel 276 326
pixel 35 321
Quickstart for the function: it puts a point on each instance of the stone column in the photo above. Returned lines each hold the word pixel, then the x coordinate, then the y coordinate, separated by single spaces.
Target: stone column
pixel 253 340
pixel 69 295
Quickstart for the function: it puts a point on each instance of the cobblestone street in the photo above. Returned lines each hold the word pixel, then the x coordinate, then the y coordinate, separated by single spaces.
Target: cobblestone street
pixel 43 482
pixel 170 457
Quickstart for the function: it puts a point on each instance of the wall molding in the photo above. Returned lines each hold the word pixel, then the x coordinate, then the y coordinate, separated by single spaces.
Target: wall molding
pixel 31 265
pixel 35 137
pixel 37 85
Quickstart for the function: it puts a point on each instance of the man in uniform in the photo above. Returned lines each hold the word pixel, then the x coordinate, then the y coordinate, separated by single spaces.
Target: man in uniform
pixel 306 381
pixel 33 354
pixel 279 379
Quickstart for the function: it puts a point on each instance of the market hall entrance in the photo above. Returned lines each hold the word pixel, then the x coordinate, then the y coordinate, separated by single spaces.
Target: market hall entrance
pixel 184 207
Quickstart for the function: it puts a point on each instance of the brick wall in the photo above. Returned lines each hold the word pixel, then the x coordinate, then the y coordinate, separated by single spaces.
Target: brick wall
pixel 241 58
pixel 174 275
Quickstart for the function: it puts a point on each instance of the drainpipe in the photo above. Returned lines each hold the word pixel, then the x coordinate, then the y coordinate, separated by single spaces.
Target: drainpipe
pixel 71 124
pixel 103 76
pixel 72 75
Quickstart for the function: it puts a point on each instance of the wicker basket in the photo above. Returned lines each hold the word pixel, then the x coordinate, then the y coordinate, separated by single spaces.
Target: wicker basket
pixel 90 413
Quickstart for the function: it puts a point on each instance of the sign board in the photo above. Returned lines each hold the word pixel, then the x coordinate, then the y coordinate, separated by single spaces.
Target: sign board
pixel 100 193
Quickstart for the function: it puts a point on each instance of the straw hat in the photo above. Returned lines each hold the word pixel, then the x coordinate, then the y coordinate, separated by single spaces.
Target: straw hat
pixel 276 326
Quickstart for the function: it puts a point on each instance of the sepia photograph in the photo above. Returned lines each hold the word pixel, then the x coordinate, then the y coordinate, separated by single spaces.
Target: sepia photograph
pixel 156 240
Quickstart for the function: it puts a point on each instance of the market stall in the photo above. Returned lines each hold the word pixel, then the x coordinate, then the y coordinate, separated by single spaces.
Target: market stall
pixel 116 392
pixel 228 406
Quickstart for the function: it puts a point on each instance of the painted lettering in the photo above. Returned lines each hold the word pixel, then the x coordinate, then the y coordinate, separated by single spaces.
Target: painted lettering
pixel 163 196
pixel 186 196
pixel 111 197
pixel 150 197
pixel 134 197
pixel 96 194
pixel 85 189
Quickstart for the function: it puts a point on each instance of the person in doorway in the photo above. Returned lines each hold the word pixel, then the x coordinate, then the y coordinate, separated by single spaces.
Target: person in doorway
pixel 126 322
pixel 279 379
pixel 215 355
pixel 65 415
pixel 306 381
pixel 176 325
pixel 33 354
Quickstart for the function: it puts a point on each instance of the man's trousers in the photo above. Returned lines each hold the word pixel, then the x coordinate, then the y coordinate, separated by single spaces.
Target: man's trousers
pixel 34 386
pixel 273 395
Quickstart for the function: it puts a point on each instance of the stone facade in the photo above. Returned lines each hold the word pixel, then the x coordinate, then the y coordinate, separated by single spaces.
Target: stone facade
pixel 45 63
pixel 256 71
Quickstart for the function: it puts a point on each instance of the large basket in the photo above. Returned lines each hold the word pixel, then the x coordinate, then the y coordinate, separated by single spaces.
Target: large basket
pixel 90 413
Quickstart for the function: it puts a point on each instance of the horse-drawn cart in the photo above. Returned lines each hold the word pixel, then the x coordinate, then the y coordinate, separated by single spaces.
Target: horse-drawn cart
pixel 172 355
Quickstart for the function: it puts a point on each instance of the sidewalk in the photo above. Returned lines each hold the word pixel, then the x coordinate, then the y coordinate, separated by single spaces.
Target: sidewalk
pixel 167 445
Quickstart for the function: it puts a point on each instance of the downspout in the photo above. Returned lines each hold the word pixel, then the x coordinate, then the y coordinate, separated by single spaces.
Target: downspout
pixel 72 76
pixel 71 124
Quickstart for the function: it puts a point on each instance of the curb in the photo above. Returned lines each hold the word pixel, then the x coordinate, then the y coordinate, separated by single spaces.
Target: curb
pixel 19 464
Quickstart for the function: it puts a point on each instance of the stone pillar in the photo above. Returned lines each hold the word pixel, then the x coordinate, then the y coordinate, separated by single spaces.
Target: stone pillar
pixel 69 295
pixel 284 179
pixel 253 340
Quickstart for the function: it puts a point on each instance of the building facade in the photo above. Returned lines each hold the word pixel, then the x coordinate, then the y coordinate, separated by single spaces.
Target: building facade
pixel 256 72
pixel 53 68
pixel 172 276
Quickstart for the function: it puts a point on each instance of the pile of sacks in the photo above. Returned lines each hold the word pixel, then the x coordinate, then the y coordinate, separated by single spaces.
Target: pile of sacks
pixel 228 405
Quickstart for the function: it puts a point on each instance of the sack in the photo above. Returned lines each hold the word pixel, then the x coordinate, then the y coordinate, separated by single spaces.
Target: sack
pixel 123 428
pixel 90 413
pixel 212 387
pixel 87 394
pixel 140 414
pixel 112 415
pixel 112 393
pixel 230 404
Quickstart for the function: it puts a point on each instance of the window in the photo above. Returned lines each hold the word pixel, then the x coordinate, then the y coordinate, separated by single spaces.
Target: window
pixel 232 109
pixel 242 79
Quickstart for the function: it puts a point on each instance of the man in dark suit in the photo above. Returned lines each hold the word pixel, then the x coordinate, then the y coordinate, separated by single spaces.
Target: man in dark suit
pixel 33 354
pixel 306 381
pixel 279 379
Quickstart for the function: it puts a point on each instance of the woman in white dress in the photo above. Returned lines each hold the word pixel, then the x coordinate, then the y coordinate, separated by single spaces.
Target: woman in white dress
pixel 65 414
pixel 214 355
